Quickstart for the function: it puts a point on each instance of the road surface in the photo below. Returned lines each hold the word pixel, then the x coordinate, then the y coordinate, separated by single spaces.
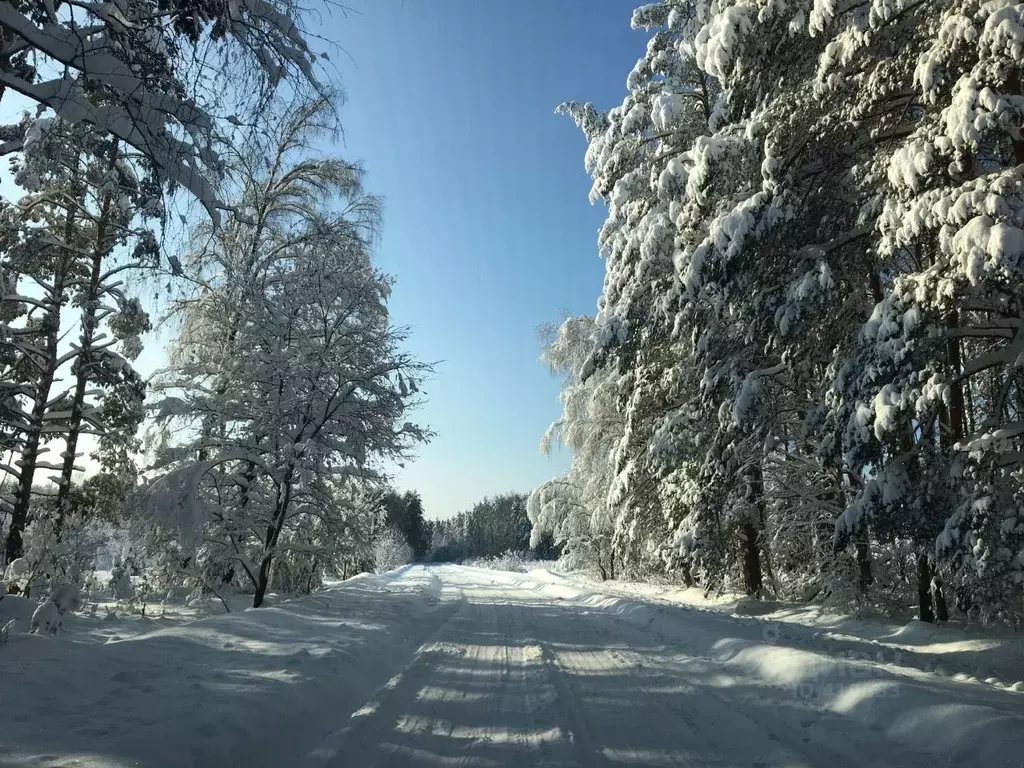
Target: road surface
pixel 453 667
pixel 521 671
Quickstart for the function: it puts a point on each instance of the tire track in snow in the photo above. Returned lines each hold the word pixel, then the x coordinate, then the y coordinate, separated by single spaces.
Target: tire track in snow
pixel 336 749
pixel 516 677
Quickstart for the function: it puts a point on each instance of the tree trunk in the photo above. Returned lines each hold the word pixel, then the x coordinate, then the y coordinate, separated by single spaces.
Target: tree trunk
pixel 90 307
pixel 273 533
pixel 1013 85
pixel 749 534
pixel 687 576
pixel 751 559
pixel 863 545
pixel 33 439
pixel 262 581
pixel 941 610
pixel 957 401
pixel 924 589
pixel 875 285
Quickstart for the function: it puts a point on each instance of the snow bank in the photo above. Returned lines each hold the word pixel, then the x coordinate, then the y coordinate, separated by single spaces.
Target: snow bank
pixel 248 688
pixel 992 655
pixel 888 688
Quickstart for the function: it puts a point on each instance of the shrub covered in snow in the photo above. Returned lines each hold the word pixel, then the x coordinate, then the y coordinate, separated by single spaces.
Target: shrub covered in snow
pixel 47 619
pixel 120 584
pixel 17 572
pixel 391 550
pixel 511 560
pixel 49 616
pixel 58 551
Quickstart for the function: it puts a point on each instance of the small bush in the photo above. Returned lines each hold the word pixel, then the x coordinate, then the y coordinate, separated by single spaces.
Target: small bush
pixel 511 560
pixel 390 551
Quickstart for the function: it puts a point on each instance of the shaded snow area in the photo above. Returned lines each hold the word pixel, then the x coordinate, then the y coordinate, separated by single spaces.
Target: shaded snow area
pixel 989 656
pixel 458 666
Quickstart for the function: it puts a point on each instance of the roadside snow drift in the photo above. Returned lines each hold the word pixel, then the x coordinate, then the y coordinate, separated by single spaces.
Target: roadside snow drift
pixel 452 666
pixel 245 688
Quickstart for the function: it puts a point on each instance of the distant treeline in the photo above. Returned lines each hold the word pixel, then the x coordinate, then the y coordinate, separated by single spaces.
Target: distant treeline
pixel 492 527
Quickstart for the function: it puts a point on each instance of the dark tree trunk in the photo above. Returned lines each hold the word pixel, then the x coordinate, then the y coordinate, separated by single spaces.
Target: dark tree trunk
pixel 924 589
pixel 91 306
pixel 262 580
pixel 273 534
pixel 957 401
pixel 941 610
pixel 751 559
pixel 749 533
pixel 15 545
pixel 863 544
pixel 82 380
pixel 687 577
pixel 33 441
pixel 875 284
pixel 1013 85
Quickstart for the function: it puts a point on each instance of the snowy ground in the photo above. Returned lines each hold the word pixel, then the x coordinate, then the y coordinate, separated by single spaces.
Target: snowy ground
pixel 453 666
pixel 983 655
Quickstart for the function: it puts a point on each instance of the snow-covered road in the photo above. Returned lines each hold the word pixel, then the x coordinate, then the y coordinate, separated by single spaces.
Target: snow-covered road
pixel 451 666
pixel 525 671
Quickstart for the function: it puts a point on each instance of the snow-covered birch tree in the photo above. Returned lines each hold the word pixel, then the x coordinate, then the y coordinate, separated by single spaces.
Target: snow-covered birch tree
pixel 574 508
pixel 147 72
pixel 288 378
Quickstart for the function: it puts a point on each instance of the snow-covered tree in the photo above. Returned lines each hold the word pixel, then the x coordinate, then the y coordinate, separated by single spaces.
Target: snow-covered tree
pixel 810 308
pixel 404 513
pixel 287 385
pixel 150 73
pixel 391 550
pixel 69 241
pixel 575 508
pixel 930 399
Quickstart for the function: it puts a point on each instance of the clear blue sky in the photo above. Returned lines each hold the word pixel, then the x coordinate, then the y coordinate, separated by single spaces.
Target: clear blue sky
pixel 488 228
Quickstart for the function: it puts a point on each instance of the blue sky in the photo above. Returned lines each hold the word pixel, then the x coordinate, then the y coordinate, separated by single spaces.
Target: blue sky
pixel 488 228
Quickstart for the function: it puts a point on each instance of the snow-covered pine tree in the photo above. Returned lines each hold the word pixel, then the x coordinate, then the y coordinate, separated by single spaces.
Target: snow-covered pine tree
pixel 635 160
pixel 931 399
pixel 42 253
pixel 811 293
pixel 74 235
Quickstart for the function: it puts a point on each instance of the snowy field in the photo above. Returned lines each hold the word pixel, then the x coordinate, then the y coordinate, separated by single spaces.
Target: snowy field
pixel 457 666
